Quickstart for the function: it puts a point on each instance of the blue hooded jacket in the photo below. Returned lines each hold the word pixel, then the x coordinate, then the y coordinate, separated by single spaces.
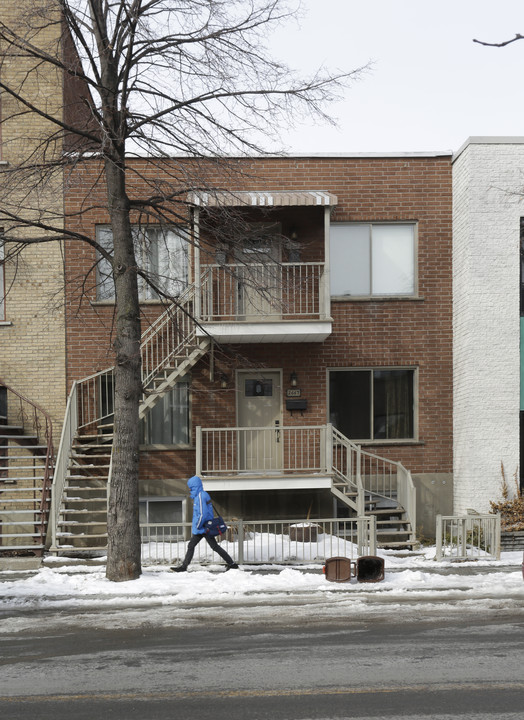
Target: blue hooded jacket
pixel 202 507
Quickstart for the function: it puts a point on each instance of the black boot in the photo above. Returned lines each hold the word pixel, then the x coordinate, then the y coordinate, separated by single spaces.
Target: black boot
pixel 179 568
pixel 233 566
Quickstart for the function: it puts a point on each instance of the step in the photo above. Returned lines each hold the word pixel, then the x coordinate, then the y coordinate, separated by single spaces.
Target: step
pixel 12 459
pixel 11 548
pixel 81 536
pixel 75 523
pixel 37 490
pixel 9 436
pixel 78 488
pixel 385 511
pixel 18 535
pixel 33 512
pixel 398 543
pixel 74 550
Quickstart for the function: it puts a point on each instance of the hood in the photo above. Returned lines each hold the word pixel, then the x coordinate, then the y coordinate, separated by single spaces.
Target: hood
pixel 195 485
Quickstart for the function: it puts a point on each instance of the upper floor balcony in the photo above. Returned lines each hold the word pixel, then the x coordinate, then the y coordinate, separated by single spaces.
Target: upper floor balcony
pixel 273 291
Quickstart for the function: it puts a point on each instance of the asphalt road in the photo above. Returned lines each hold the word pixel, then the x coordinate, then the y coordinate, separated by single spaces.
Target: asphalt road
pixel 470 667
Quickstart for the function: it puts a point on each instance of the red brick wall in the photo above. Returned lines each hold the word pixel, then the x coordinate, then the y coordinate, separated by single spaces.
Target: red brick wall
pixel 372 333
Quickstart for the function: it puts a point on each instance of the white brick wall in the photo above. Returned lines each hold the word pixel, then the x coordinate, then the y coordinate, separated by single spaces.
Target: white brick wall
pixel 488 189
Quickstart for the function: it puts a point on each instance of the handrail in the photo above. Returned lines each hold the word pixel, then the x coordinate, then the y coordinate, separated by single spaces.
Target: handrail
pixel 168 337
pixel 49 457
pixel 69 429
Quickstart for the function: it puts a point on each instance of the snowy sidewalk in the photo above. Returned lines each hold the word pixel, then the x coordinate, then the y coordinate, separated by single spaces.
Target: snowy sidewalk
pixel 254 592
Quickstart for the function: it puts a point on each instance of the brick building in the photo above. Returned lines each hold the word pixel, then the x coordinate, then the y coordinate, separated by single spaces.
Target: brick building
pixel 330 312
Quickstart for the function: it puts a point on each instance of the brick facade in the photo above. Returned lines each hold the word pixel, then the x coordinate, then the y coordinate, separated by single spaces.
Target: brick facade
pixel 391 333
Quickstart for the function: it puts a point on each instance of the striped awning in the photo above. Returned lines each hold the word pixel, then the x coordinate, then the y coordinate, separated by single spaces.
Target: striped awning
pixel 258 198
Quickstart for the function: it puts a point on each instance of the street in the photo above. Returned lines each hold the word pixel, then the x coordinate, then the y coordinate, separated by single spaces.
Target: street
pixel 391 665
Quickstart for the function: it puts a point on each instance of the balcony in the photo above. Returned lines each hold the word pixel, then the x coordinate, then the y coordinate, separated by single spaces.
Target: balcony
pixel 266 292
pixel 264 458
pixel 264 302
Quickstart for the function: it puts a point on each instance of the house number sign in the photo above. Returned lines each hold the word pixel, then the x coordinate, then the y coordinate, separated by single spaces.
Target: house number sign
pixel 293 392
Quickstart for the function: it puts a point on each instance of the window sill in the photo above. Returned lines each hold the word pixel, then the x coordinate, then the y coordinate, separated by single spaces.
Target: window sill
pixel 160 448
pixel 377 298
pixel 7 323
pixel 377 443
pixel 110 303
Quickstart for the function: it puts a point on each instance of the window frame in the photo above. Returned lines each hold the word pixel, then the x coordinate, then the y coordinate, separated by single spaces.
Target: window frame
pixel 186 379
pixel 181 230
pixel 380 296
pixel 149 499
pixel 377 368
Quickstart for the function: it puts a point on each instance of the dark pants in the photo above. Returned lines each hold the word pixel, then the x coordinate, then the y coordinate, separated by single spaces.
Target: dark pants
pixel 193 542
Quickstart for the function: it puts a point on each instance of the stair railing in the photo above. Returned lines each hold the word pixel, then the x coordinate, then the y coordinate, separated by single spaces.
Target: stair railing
pixel 370 474
pixel 346 462
pixel 29 414
pixel 169 336
pixel 69 430
pixel 91 400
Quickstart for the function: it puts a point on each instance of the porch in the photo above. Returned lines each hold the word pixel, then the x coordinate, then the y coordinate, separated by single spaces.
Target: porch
pixel 268 287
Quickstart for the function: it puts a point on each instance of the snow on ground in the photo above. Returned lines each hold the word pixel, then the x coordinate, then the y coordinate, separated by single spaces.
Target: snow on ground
pixel 257 593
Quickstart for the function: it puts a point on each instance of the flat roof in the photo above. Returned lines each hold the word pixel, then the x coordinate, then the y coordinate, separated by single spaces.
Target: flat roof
pixel 489 140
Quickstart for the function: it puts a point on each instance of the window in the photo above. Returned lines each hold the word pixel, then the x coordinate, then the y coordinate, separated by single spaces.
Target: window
pixel 373 404
pixel 157 510
pixel 372 259
pixel 168 423
pixel 160 252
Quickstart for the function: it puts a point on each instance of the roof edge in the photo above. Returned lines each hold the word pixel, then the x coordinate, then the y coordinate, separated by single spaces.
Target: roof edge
pixel 489 140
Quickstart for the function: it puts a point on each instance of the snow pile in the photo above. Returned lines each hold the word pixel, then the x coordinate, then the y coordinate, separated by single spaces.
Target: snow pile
pixel 258 589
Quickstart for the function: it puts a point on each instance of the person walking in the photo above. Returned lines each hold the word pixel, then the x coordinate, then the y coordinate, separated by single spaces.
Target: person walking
pixel 202 512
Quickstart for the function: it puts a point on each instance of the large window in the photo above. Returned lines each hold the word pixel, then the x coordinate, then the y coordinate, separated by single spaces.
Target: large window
pixel 168 423
pixel 372 259
pixel 373 404
pixel 160 252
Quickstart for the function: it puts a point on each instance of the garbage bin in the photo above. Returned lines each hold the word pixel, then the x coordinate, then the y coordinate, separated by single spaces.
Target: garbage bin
pixel 370 568
pixel 339 569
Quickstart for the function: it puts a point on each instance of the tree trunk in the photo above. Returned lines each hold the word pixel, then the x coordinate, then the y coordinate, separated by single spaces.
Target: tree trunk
pixel 124 547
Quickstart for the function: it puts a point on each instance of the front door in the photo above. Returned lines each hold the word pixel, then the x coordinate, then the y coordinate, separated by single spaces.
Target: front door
pixel 260 420
pixel 260 275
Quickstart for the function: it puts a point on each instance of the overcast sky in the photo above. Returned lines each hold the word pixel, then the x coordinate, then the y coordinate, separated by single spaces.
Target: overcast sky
pixel 430 88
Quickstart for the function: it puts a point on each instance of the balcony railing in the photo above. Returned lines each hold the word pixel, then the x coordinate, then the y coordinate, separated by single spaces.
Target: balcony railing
pixel 262 291
pixel 229 451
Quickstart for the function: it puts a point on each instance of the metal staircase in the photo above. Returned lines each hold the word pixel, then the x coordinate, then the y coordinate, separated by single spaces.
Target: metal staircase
pixel 26 465
pixel 373 485
pixel 169 349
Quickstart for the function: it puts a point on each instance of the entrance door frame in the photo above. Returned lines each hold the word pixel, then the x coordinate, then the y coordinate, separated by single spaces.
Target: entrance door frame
pixel 240 375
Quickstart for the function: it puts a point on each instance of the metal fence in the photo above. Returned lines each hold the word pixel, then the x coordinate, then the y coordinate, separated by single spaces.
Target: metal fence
pixel 469 536
pixel 282 542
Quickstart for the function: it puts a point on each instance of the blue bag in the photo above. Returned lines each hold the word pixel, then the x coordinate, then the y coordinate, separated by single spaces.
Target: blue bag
pixel 216 526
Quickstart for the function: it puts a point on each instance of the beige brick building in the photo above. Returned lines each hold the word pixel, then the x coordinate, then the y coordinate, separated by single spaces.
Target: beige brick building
pixel 32 332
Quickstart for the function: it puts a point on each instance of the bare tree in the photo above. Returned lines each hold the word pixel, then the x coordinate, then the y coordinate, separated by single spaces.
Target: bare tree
pixel 142 77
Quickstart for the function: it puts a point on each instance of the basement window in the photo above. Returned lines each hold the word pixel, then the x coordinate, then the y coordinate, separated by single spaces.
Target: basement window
pixel 157 515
